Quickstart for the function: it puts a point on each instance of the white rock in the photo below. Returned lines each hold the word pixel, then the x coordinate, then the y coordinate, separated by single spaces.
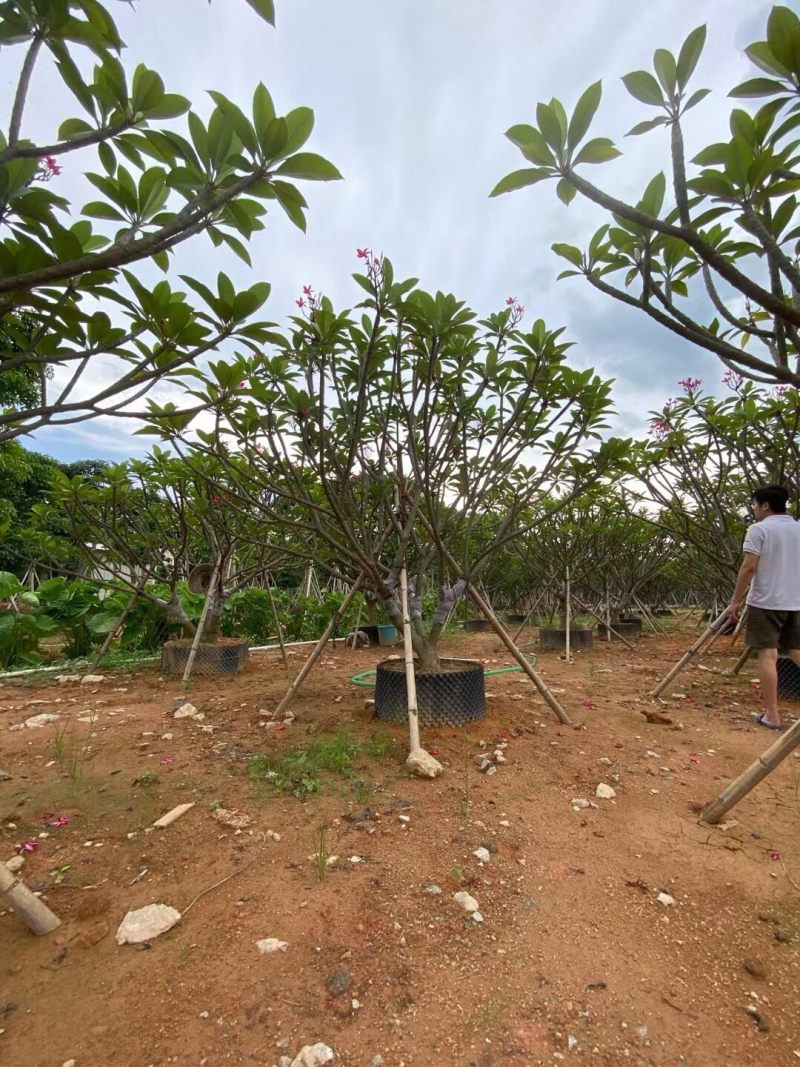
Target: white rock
pixel 578 804
pixel 272 835
pixel 652 755
pixel 271 944
pixel 68 1063
pixel 606 762
pixel 171 816
pixel 63 679
pixel 144 924
pixel 185 711
pixel 476 915
pixel 499 757
pixel 483 855
pixel 605 792
pixel 314 1056
pixel 423 765
pixel 92 679
pixel 504 822
pixel 665 899
pixel 235 819
pixel 16 863
pixel 43 719
pixel 465 901
pixel 433 890
pixel 404 818
pixel 356 859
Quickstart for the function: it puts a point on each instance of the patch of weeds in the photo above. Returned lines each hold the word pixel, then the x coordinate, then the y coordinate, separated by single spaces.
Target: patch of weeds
pixel 147 781
pixel 67 751
pixel 362 790
pixel 58 874
pixel 488 1016
pixel 381 746
pixel 298 770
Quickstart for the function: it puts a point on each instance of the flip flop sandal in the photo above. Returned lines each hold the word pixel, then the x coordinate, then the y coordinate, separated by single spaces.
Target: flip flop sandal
pixel 767 725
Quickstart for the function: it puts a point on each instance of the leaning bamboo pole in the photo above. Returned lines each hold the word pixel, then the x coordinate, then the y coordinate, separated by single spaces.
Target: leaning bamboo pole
pixel 706 639
pixel 35 914
pixel 756 772
pixel 747 652
pixel 316 652
pixel 568 620
pixel 279 629
pixel 212 592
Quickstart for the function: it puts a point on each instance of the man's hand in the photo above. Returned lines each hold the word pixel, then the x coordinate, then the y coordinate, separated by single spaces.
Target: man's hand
pixel 735 609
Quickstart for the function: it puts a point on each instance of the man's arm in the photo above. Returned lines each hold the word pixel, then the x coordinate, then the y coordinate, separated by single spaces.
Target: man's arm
pixel 744 578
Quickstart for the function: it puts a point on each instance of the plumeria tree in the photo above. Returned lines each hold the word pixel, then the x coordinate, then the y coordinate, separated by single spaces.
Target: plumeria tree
pixel 702 460
pixel 396 429
pixel 76 284
pixel 725 232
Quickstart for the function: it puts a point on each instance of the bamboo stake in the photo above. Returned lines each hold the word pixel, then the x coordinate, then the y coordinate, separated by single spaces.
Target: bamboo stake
pixel 707 638
pixel 609 628
pixel 316 652
pixel 527 617
pixel 212 591
pixel 113 633
pixel 35 914
pixel 568 617
pixel 408 650
pixel 608 616
pixel 279 628
pixel 649 616
pixel 756 772
pixel 745 656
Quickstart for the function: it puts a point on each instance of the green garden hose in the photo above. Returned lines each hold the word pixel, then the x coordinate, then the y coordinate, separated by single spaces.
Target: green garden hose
pixel 367 678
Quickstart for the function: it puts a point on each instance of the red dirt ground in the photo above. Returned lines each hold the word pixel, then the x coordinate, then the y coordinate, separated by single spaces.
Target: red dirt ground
pixel 576 959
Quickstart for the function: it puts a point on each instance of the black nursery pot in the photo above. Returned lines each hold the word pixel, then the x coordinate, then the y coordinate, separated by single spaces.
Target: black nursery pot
pixel 226 656
pixel 453 696
pixel 476 625
pixel 557 639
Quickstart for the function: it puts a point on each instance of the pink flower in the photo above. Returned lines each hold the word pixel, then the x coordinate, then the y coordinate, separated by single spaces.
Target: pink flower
pixel 29 846
pixel 300 303
pixel 587 703
pixel 307 290
pixel 774 855
pixel 511 301
pixel 693 758
pixel 690 384
pixel 659 428
pixel 732 379
pixel 167 760
pixel 362 253
pixel 60 820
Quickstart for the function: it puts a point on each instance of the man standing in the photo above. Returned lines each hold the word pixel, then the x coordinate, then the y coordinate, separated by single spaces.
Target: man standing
pixel 771 568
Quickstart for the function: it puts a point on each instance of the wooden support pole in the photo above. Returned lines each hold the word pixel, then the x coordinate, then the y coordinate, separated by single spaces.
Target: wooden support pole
pixel 408 650
pixel 568 618
pixel 709 635
pixel 610 629
pixel 747 652
pixel 34 913
pixel 657 627
pixel 756 772
pixel 112 633
pixel 316 652
pixel 530 612
pixel 608 616
pixel 212 591
pixel 279 629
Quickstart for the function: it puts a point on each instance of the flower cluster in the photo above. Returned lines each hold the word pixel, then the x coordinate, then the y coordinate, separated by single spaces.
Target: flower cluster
pixel 309 300
pixel 690 384
pixel 517 310
pixel 659 428
pixel 48 168
pixel 733 380
pixel 373 264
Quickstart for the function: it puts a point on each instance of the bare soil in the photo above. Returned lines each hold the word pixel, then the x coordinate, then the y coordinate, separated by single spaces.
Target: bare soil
pixel 576 959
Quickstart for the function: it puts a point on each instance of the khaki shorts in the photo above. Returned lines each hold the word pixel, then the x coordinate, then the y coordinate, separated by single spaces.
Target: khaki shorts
pixel 765 628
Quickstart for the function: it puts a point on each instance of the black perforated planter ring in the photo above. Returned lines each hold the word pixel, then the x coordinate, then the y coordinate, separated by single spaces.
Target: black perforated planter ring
pixel 453 697
pixel 788 679
pixel 228 656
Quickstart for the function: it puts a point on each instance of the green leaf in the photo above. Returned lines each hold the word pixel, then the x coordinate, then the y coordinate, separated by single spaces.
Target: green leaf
pixel 107 158
pixel 691 50
pixel 299 123
pixel 550 127
pixel 264 8
pixel 695 98
pixel 71 128
pixel 532 144
pixel 653 199
pixel 783 37
pixel 761 55
pixel 263 108
pixel 664 63
pixel 583 114
pixel 646 126
pixel 598 150
pixel 310 166
pixel 169 107
pixel 643 86
pixel 518 179
pixel 570 253
pixel 758 87
pixel 565 191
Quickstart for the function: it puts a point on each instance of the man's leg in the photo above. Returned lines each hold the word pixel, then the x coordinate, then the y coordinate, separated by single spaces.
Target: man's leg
pixel 768 676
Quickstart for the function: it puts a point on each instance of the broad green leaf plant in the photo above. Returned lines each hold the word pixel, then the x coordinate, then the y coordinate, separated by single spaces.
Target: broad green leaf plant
pixel 78 272
pixel 725 232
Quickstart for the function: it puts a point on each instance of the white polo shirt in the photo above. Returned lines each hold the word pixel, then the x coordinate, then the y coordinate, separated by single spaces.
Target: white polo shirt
pixel 776 542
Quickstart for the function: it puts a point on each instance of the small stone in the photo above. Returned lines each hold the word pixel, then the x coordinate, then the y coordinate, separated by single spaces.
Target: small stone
pixel 64 679
pixel 5 776
pixel 144 924
pixel 36 721
pixel 338 982
pixel 16 863
pixel 185 711
pixel 68 1063
pixel 269 945
pixel 579 804
pixel 755 968
pixel 605 761
pixel 404 818
pixel 467 902
pixel 504 822
pixel 605 792
pixel 377 1061
pixel 482 855
pixel 783 937
pixel 423 765
pixel 665 899
pixel 477 917
pixel 491 769
pixel 433 890
pixel 313 1056
pixel 761 1021
pixel 284 1061
pixel 92 679
pixel 235 819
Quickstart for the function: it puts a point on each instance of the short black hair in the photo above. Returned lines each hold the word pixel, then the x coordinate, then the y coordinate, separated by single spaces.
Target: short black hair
pixel 774 495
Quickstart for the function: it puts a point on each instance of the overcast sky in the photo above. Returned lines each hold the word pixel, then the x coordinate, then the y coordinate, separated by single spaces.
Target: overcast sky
pixel 411 99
